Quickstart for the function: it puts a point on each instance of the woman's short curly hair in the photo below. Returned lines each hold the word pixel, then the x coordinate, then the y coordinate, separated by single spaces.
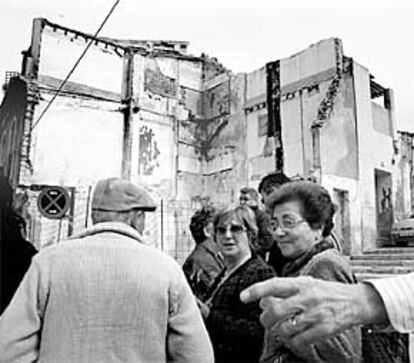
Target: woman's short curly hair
pixel 243 214
pixel 317 206
pixel 200 220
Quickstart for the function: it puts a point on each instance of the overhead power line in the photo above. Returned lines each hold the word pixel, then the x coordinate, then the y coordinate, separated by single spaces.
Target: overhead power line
pixel 76 64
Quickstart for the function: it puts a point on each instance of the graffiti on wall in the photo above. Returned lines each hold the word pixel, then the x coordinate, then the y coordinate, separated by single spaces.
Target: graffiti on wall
pixel 385 201
pixel 148 151
pixel 384 204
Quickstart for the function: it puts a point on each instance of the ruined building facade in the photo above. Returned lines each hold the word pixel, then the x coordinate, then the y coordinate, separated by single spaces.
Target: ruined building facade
pixel 193 132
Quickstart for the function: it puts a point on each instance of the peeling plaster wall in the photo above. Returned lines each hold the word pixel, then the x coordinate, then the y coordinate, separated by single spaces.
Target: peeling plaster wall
pixel 339 150
pixel 161 92
pixel 403 177
pixel 304 77
pixel 168 95
pixel 226 171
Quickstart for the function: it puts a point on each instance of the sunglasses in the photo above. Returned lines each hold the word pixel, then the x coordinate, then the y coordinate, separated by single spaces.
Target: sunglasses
pixel 234 229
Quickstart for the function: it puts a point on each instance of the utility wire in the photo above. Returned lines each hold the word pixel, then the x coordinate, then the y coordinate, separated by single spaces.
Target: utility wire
pixel 76 64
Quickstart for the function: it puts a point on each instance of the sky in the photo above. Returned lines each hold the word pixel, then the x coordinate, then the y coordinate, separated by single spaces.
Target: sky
pixel 242 35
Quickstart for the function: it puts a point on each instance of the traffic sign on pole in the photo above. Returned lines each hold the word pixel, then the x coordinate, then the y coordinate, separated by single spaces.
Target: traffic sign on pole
pixel 53 202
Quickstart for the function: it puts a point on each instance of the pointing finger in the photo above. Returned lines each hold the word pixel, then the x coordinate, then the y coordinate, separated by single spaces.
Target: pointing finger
pixel 277 287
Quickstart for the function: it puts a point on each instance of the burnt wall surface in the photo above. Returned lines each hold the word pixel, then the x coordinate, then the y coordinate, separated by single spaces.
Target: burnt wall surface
pixel 226 170
pixel 12 118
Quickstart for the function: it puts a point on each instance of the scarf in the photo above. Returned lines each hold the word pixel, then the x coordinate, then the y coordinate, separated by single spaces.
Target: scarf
pixel 293 267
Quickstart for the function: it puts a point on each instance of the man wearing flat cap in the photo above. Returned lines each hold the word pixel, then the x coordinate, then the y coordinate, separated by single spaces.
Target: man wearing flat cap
pixel 104 296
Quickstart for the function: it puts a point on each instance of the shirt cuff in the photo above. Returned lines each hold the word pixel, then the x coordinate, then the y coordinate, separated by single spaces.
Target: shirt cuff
pixel 397 294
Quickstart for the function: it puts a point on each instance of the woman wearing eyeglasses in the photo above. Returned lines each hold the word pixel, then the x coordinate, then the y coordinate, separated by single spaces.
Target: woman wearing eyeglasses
pixel 234 328
pixel 302 217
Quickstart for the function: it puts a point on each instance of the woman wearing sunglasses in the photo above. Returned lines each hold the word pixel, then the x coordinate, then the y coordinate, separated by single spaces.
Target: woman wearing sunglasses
pixel 302 217
pixel 234 328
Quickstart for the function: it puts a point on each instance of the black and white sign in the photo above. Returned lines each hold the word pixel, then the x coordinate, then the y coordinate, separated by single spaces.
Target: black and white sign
pixel 53 202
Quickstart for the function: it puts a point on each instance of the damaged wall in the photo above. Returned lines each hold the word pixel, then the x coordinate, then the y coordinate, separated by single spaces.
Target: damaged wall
pixel 404 176
pixel 12 117
pixel 67 150
pixel 68 45
pixel 226 169
pixel 194 133
pixel 257 125
pixel 375 151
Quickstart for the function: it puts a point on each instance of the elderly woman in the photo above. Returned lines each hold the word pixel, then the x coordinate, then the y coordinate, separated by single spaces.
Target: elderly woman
pixel 302 217
pixel 234 328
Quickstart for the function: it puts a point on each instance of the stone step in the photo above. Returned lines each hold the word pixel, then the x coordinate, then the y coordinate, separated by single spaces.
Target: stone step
pixel 390 270
pixel 391 257
pixel 407 263
pixel 390 250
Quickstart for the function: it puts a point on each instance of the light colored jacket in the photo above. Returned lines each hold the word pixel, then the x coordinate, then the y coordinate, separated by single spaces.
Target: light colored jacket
pixel 397 294
pixel 103 297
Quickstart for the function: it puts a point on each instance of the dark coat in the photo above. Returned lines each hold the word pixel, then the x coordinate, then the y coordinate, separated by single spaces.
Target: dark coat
pixel 202 267
pixel 234 327
pixel 326 263
pixel 16 257
pixel 15 252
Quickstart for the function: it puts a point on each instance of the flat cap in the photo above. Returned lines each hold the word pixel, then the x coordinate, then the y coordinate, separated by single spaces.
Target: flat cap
pixel 119 195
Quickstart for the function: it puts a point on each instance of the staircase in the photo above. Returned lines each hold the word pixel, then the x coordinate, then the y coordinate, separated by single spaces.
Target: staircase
pixel 383 262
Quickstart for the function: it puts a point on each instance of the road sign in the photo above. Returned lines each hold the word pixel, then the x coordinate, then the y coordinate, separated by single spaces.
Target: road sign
pixel 53 202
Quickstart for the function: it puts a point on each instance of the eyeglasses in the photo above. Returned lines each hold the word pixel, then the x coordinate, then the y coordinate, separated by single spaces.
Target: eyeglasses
pixel 286 223
pixel 234 229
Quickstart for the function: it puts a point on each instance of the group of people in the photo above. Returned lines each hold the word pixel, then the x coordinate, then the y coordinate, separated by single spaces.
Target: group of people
pixel 245 245
pixel 262 285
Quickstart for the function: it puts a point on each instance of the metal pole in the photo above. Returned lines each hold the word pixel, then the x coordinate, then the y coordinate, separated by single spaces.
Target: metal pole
pixel 88 200
pixel 59 230
pixel 162 225
pixel 127 94
pixel 71 211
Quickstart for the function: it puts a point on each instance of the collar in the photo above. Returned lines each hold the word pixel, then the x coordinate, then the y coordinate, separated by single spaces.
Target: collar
pixel 209 245
pixel 115 227
pixel 235 268
pixel 293 267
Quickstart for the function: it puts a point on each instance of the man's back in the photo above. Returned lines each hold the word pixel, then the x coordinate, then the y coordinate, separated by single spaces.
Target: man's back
pixel 106 297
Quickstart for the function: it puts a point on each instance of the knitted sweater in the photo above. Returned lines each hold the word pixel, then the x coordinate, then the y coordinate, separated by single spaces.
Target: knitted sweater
pixel 103 297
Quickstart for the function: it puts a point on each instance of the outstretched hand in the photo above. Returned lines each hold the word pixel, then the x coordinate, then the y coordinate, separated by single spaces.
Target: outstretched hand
pixel 304 310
